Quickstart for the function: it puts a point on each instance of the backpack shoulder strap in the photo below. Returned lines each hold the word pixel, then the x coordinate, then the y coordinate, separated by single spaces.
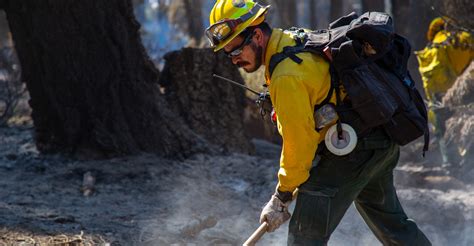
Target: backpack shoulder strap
pixel 306 41
pixel 316 41
pixel 334 86
pixel 288 52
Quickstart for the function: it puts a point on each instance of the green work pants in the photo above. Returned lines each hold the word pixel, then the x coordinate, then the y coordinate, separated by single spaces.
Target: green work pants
pixel 365 176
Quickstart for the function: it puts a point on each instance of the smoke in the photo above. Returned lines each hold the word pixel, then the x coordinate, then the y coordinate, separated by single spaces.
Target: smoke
pixel 216 200
pixel 159 35
pixel 212 202
pixel 444 217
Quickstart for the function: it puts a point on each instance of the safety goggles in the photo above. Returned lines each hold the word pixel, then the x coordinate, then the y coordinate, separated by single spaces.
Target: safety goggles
pixel 226 27
pixel 238 50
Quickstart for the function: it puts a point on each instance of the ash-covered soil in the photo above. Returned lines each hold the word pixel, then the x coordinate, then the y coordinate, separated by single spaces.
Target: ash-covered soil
pixel 203 200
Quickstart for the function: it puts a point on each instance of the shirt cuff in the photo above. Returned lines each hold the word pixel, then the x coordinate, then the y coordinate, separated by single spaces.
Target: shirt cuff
pixel 284 196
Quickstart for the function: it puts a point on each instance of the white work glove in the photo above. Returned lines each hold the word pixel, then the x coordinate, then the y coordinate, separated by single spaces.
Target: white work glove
pixel 275 213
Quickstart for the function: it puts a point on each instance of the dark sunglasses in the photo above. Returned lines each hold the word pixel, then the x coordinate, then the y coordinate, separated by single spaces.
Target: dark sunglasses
pixel 238 50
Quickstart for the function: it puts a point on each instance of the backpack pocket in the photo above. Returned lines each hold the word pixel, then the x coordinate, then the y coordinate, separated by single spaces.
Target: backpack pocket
pixel 369 95
pixel 369 98
pixel 410 122
pixel 405 126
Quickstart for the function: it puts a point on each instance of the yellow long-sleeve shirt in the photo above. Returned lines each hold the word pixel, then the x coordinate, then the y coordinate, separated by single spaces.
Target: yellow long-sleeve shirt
pixel 295 90
pixel 444 60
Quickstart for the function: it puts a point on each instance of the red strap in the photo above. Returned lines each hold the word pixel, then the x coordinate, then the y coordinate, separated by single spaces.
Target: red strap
pixel 327 52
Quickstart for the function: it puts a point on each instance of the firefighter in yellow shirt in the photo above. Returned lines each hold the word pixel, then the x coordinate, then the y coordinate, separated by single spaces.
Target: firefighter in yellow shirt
pixel 447 54
pixel 326 190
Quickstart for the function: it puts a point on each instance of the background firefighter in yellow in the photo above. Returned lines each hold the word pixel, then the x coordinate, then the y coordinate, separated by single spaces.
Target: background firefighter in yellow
pixel 365 176
pixel 449 51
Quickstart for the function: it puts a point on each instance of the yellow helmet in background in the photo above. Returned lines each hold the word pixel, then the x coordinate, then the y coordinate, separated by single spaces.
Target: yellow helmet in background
pixel 436 25
pixel 228 18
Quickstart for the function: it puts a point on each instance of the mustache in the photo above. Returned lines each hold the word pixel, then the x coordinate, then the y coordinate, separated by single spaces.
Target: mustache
pixel 242 63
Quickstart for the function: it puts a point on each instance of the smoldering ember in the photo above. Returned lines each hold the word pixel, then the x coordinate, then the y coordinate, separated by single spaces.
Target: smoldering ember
pixel 137 122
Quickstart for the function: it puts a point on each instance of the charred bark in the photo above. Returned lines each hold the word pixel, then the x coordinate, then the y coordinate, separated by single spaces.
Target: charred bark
pixel 373 5
pixel 93 88
pixel 336 10
pixel 458 113
pixel 412 19
pixel 313 18
pixel 194 19
pixel 462 91
pixel 287 13
pixel 212 108
pixel 460 11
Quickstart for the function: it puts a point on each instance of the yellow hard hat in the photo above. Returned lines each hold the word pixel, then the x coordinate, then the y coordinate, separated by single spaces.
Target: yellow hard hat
pixel 436 25
pixel 228 18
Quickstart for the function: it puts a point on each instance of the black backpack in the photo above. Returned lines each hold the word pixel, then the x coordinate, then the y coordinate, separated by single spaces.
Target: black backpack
pixel 380 90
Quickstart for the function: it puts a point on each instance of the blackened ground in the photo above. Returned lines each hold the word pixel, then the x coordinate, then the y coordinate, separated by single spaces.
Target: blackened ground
pixel 205 200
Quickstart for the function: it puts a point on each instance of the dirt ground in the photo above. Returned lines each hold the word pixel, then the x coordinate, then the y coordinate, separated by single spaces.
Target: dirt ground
pixel 203 200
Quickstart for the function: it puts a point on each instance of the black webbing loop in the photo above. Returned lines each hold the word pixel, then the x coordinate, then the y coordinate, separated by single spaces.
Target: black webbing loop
pixel 288 52
pixel 335 84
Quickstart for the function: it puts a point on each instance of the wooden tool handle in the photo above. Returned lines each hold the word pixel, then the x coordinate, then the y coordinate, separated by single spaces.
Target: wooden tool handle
pixel 256 235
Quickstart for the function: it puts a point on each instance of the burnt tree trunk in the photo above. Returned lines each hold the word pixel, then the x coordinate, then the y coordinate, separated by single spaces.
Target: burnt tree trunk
pixel 211 107
pixel 336 10
pixel 93 88
pixel 460 11
pixel 287 13
pixel 458 114
pixel 373 5
pixel 313 18
pixel 193 10
pixel 412 19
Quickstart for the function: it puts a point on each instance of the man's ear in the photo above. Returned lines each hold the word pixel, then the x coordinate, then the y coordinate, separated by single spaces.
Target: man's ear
pixel 258 35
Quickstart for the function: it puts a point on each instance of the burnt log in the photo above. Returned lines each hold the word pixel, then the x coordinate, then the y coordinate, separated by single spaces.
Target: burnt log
pixel 287 13
pixel 462 91
pixel 460 11
pixel 211 107
pixel 459 124
pixel 411 20
pixel 373 5
pixel 93 89
pixel 336 10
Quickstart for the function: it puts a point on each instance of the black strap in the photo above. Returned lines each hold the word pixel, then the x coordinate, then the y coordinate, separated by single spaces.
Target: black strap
pixel 288 52
pixel 411 88
pixel 427 142
pixel 410 84
pixel 335 84
pixel 327 99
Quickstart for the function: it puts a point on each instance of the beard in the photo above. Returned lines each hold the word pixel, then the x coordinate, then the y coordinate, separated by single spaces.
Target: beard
pixel 258 51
